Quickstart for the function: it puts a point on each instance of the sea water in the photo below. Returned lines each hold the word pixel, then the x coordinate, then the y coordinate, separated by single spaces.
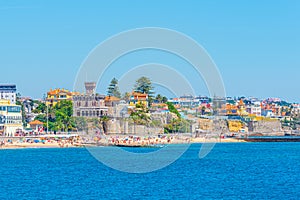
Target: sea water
pixel 230 171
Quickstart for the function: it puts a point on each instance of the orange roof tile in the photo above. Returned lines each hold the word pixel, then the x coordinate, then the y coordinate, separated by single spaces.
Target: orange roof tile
pixel 139 94
pixel 57 91
pixel 36 122
pixel 111 98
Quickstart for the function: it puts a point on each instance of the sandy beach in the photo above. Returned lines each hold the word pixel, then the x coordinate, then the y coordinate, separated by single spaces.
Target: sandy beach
pixel 39 142
pixel 116 140
pixel 39 145
pixel 135 141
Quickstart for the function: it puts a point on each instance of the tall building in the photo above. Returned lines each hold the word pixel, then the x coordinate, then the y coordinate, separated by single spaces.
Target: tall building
pixel 10 118
pixel 89 105
pixel 8 92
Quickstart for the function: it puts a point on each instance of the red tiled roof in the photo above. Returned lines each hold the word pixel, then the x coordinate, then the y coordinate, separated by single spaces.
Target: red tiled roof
pixel 36 122
pixel 111 98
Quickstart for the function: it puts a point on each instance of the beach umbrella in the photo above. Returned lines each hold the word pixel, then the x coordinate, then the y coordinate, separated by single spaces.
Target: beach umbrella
pixel 36 141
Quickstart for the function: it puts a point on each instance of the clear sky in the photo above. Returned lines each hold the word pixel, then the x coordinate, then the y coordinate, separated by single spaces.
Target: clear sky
pixel 255 44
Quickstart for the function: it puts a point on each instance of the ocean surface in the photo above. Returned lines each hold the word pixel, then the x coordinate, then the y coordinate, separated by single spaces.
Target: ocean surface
pixel 230 171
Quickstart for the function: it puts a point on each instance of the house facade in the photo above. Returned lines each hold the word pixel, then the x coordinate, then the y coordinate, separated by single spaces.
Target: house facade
pixel 138 98
pixel 57 95
pixel 255 109
pixel 10 118
pixel 8 92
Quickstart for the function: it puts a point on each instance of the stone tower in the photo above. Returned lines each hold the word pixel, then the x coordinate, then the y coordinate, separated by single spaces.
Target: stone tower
pixel 90 87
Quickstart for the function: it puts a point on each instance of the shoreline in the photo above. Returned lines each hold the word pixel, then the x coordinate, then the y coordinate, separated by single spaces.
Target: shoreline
pixel 143 143
pixel 36 146
pixel 105 143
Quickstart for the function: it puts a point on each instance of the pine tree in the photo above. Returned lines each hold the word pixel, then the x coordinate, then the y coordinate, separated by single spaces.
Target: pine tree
pixel 113 89
pixel 126 96
pixel 144 85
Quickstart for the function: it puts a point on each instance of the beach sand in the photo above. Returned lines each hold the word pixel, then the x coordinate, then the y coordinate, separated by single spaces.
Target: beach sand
pixel 39 145
pixel 120 140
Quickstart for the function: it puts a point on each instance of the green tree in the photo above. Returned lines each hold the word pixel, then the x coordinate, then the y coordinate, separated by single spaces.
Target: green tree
pixel 161 99
pixel 113 89
pixel 19 103
pixel 140 115
pixel 172 109
pixel 158 98
pixel 164 99
pixel 60 116
pixel 144 85
pixel 177 126
pixel 64 115
pixel 80 123
pixel 41 117
pixel 126 96
pixel 41 108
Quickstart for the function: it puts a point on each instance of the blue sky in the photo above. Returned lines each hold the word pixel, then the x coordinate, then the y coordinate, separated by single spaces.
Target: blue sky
pixel 255 44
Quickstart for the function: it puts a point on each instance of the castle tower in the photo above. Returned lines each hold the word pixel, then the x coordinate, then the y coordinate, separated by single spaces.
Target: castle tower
pixel 90 87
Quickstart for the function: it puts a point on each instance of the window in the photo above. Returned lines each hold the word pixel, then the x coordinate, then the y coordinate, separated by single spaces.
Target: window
pixel 13 109
pixel 2 108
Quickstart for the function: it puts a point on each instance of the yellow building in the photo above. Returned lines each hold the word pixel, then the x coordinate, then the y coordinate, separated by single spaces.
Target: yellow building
pixel 54 96
pixel 235 126
pixel 10 118
pixel 138 98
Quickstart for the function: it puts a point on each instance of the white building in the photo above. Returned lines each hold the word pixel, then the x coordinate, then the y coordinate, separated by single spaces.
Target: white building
pixel 296 109
pixel 267 113
pixel 10 118
pixel 8 92
pixel 187 101
pixel 254 108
